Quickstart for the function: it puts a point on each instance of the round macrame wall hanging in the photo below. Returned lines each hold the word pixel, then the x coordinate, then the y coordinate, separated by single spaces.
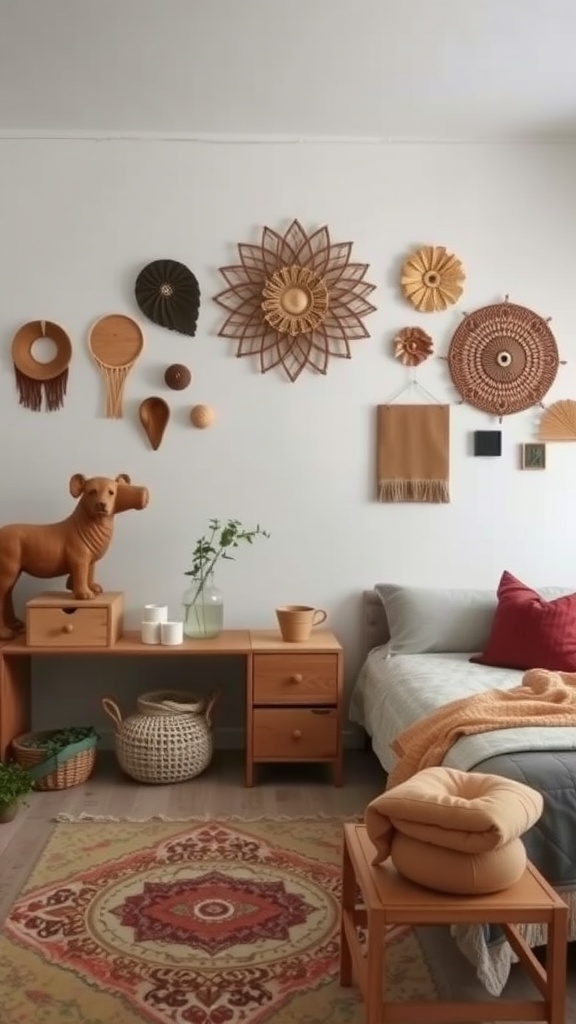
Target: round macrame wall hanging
pixel 168 293
pixel 503 358
pixel 36 380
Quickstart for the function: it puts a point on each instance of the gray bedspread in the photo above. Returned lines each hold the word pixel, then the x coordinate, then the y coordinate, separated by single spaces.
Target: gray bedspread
pixel 551 842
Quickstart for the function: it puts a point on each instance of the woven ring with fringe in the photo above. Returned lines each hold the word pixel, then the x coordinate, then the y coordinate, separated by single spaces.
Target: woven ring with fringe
pixel 503 358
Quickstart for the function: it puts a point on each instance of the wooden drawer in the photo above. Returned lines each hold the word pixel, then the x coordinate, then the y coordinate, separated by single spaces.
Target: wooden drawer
pixel 292 734
pixel 295 679
pixel 55 620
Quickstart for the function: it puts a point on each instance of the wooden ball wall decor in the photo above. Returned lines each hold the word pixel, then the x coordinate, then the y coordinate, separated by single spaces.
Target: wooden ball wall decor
pixel 295 300
pixel 177 377
pixel 202 416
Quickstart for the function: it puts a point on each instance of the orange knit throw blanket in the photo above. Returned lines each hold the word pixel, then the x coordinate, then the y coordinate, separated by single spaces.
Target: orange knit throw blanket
pixel 543 698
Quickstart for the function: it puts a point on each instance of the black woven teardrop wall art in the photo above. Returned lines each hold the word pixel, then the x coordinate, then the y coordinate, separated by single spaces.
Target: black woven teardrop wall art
pixel 168 293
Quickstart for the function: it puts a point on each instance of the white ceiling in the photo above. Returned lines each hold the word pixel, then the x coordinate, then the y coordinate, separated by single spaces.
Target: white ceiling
pixel 386 69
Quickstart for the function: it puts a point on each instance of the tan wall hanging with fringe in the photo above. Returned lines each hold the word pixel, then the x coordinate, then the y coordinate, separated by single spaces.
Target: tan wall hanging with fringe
pixel 36 380
pixel 413 453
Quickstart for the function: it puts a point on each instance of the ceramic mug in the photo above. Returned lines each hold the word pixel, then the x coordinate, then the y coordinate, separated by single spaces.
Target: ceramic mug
pixel 297 621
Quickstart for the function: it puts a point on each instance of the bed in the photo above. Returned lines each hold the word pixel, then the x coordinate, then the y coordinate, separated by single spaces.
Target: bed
pixel 404 678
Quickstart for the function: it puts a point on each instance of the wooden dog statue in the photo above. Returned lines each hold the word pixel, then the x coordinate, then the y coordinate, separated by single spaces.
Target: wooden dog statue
pixel 70 547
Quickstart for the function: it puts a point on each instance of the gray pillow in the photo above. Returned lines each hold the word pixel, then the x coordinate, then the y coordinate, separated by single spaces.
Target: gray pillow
pixel 432 620
pixel 427 620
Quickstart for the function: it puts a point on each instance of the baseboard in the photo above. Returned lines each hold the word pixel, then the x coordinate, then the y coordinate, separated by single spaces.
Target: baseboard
pixel 232 738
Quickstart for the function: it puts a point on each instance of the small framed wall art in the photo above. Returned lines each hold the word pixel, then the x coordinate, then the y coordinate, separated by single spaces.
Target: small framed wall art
pixel 533 456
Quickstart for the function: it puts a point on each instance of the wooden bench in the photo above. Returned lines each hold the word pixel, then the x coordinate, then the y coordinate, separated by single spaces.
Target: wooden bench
pixel 389 899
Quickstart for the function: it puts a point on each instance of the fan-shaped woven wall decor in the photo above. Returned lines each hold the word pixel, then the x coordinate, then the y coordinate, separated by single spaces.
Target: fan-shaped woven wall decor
pixel 294 300
pixel 558 421
pixel 169 295
pixel 503 358
pixel 432 278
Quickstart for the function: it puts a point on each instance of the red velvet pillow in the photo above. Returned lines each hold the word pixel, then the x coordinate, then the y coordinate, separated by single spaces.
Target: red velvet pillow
pixel 529 632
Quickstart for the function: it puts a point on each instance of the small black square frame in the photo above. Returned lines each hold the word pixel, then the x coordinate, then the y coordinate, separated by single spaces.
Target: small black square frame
pixel 487 442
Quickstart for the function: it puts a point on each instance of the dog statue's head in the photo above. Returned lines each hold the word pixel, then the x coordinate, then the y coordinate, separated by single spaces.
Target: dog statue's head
pixel 105 496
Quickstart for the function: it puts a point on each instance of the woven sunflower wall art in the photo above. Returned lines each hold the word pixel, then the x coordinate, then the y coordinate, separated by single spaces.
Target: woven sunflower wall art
pixel 295 300
pixel 432 278
pixel 503 358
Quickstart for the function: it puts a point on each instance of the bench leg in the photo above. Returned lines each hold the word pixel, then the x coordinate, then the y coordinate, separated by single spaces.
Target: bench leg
pixel 375 967
pixel 348 894
pixel 556 964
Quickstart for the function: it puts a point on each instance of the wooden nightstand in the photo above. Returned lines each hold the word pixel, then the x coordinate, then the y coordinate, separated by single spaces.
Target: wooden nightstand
pixel 294 701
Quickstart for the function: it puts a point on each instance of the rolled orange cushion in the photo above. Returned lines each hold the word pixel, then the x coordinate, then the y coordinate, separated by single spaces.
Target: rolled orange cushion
pixel 468 812
pixel 464 874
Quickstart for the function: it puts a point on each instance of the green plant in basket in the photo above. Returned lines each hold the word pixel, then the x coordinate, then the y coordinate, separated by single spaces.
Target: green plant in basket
pixel 55 740
pixel 203 602
pixel 15 783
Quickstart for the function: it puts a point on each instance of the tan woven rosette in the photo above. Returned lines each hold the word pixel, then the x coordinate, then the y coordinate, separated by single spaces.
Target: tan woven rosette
pixel 503 358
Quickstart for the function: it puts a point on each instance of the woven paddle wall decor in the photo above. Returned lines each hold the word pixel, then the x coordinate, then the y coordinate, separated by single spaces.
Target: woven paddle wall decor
pixel 295 300
pixel 503 358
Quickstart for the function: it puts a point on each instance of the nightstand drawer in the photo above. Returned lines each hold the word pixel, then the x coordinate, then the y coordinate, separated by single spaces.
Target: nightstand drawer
pixel 293 733
pixel 295 679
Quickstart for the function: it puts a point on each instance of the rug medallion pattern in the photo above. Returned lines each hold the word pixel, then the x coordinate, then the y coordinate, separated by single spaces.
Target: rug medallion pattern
pixel 191 923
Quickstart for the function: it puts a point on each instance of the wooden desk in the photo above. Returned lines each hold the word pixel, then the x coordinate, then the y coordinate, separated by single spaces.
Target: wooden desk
pixel 294 692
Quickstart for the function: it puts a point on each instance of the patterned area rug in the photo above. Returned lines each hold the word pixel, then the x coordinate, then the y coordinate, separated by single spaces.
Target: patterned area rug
pixel 197 922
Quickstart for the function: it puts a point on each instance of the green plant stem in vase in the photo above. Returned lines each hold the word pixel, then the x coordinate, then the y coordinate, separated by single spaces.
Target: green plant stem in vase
pixel 203 601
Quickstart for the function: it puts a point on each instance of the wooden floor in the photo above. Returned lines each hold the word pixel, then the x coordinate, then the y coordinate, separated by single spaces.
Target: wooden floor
pixel 281 790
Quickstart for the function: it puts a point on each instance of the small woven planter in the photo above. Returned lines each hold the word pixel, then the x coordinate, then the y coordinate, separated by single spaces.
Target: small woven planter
pixel 70 766
pixel 168 739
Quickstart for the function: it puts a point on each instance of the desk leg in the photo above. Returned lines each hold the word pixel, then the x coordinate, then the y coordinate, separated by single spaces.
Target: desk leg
pixel 338 771
pixel 249 777
pixel 15 703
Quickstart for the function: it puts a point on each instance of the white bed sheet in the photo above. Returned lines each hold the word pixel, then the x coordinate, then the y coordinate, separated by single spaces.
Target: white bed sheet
pixel 394 691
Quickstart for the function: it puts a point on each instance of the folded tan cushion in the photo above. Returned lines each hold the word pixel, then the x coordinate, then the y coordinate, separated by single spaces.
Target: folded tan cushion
pixel 464 811
pixel 468 874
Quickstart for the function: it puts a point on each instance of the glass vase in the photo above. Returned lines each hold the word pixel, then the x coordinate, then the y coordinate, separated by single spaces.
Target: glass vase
pixel 203 610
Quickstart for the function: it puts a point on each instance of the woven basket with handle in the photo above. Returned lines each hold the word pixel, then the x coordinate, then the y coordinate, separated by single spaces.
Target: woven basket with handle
pixel 168 739
pixel 70 766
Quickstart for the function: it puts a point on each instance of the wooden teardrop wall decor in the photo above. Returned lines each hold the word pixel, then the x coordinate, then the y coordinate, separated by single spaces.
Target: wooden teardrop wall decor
pixel 154 414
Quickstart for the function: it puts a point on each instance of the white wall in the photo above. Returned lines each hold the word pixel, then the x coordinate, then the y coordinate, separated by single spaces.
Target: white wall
pixel 79 218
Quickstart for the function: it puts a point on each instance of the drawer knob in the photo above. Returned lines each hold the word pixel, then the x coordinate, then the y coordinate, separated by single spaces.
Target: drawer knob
pixel 297 678
pixel 297 734
pixel 68 628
